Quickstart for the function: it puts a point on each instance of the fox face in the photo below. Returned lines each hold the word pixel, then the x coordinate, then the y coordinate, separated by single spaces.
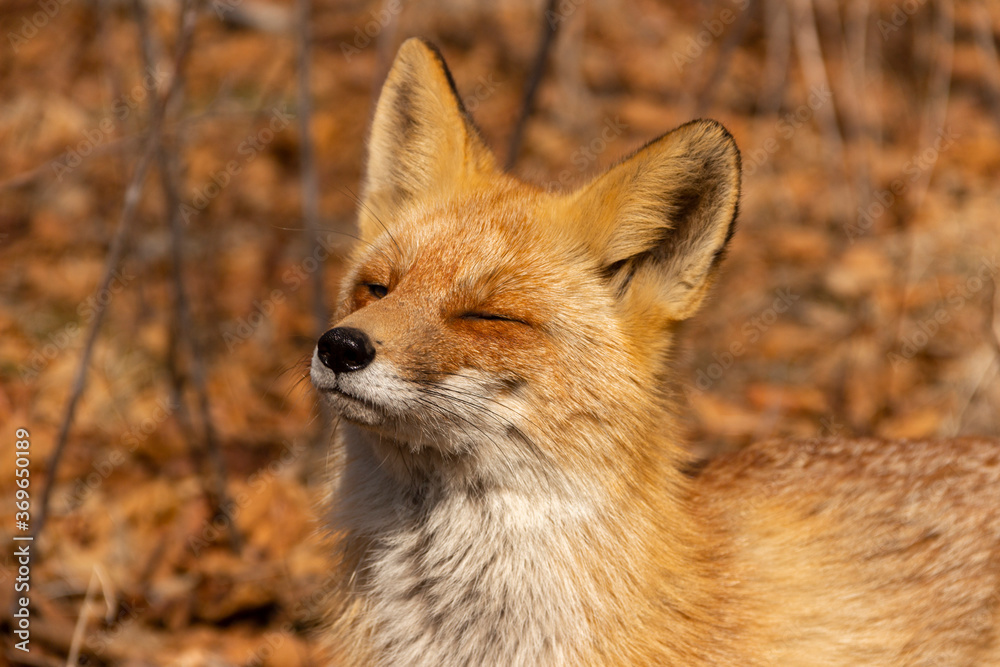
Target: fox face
pixel 482 317
pixel 447 323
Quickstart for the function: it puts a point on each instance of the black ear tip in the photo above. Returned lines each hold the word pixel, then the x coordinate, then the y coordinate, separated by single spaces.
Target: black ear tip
pixel 713 137
pixel 426 44
pixel 717 131
pixel 416 43
pixel 426 50
pixel 709 126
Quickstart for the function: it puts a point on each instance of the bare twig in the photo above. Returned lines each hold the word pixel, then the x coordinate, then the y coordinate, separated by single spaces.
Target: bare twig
pixel 76 643
pixel 807 46
pixel 81 623
pixel 178 380
pixel 982 25
pixel 115 254
pixel 874 75
pixel 183 328
pixel 261 16
pixel 938 94
pixel 384 44
pixel 932 122
pixel 102 15
pixel 993 318
pixel 732 39
pixel 310 185
pixel 853 37
pixel 988 361
pixel 779 49
pixel 310 180
pixel 549 26
pixel 122 144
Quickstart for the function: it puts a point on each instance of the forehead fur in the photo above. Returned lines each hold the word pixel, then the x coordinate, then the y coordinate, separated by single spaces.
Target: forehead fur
pixel 495 227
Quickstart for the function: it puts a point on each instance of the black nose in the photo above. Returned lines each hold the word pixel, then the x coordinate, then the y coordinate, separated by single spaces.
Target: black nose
pixel 345 349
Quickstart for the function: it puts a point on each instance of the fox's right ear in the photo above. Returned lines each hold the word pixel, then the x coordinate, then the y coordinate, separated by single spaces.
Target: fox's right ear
pixel 423 143
pixel 660 220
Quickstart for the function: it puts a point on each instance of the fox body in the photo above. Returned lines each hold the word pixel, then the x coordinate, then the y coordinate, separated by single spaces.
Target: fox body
pixel 508 478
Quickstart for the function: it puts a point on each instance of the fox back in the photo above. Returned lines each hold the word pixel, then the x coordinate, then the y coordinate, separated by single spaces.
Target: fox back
pixel 509 483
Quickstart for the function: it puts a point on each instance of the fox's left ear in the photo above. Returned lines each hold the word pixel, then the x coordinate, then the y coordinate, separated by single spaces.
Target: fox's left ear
pixel 660 220
pixel 422 141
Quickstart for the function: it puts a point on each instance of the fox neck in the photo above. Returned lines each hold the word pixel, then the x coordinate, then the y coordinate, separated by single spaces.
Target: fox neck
pixel 537 567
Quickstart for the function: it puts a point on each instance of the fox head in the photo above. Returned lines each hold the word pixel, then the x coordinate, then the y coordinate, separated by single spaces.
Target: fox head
pixel 487 324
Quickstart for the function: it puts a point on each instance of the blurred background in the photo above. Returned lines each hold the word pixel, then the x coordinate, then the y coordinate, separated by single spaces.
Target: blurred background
pixel 177 191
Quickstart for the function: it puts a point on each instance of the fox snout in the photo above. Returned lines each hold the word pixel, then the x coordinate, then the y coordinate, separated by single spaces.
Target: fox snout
pixel 345 349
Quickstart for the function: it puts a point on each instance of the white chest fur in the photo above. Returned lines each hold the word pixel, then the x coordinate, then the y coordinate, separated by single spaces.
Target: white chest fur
pixel 491 577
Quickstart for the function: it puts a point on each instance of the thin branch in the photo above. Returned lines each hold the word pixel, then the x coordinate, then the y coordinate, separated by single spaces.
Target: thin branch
pixel 178 379
pixel 116 252
pixel 779 48
pixel 993 318
pixel 982 26
pixel 972 389
pixel 874 74
pixel 938 95
pixel 123 143
pixel 310 179
pixel 732 39
pixel 97 577
pixel 549 26
pixel 310 188
pixel 932 122
pixel 810 54
pixel 853 34
pixel 384 45
pixel 990 369
pixel 183 329
pixel 73 658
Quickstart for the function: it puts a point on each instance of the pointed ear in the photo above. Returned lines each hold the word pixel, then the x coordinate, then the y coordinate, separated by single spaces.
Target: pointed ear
pixel 422 140
pixel 660 220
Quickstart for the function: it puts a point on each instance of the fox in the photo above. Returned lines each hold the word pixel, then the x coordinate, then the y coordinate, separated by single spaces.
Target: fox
pixel 510 482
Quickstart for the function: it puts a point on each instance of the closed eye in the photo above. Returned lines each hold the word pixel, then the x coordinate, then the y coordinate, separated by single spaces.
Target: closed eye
pixel 376 290
pixel 491 317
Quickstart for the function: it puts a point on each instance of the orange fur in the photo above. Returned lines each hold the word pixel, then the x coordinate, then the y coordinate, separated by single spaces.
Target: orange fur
pixel 508 485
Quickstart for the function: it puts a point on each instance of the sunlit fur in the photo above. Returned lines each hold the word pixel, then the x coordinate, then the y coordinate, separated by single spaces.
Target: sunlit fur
pixel 508 485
